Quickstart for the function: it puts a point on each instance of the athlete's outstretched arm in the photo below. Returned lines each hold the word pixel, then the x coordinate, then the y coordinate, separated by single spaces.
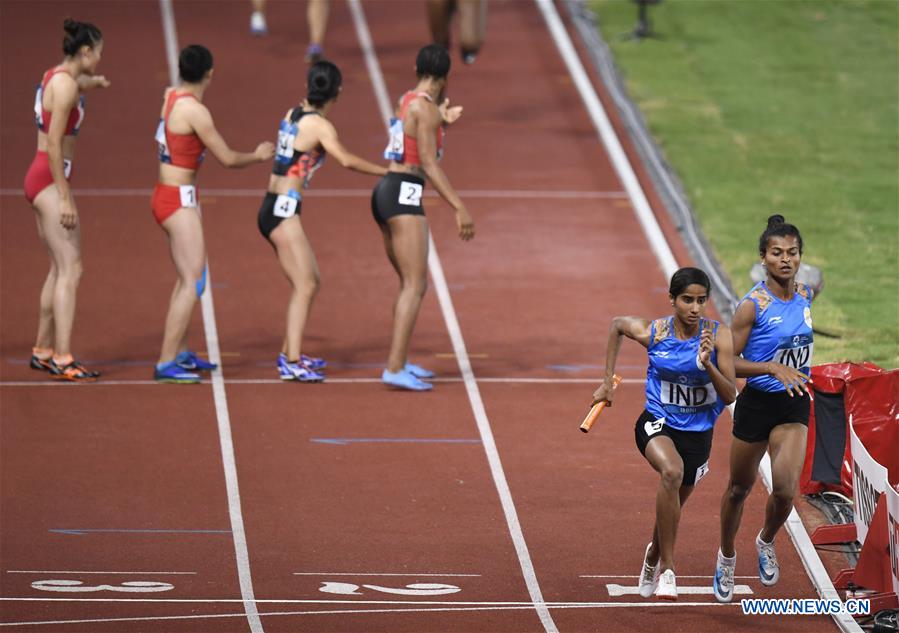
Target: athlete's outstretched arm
pixel 327 136
pixel 201 121
pixel 89 82
pixel 792 379
pixel 723 378
pixel 632 327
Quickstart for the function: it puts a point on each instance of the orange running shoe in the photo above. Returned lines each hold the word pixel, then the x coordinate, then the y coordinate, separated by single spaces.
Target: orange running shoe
pixel 74 372
pixel 42 364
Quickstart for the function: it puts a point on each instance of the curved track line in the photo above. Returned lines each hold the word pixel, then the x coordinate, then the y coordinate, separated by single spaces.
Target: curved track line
pixel 218 384
pixel 455 332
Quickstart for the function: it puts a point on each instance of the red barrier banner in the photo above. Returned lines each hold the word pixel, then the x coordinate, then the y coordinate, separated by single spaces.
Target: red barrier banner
pixel 893 525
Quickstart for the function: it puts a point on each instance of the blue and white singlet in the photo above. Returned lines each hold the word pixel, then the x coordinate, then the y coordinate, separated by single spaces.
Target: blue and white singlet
pixel 678 388
pixel 782 332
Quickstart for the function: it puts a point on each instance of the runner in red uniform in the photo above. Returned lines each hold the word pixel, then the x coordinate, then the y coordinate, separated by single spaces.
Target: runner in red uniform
pixel 59 112
pixel 416 139
pixel 185 131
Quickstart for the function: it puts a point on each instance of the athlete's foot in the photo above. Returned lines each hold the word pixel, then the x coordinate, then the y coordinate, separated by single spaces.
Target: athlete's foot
pixel 190 361
pixel 419 372
pixel 71 370
pixel 257 24
pixel 41 364
pixel 313 363
pixel 769 569
pixel 649 577
pixel 667 589
pixel 297 371
pixel 723 585
pixel 468 56
pixel 315 53
pixel 404 379
pixel 171 372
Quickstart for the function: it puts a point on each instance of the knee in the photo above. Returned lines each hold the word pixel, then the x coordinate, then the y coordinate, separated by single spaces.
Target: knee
pixel 416 285
pixel 70 273
pixel 672 476
pixel 737 492
pixel 307 285
pixel 784 492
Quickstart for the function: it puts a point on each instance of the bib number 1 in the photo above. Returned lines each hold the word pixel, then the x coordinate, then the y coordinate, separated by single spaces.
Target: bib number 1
pixel 188 195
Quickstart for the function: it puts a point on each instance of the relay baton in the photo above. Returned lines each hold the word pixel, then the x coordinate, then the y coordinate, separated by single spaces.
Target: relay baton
pixel 593 416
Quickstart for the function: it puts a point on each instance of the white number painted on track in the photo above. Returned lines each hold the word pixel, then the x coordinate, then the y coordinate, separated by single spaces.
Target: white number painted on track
pixel 415 589
pixel 132 586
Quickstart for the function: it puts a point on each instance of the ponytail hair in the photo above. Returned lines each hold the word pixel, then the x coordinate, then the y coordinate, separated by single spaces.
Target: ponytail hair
pixel 79 34
pixel 686 277
pixel 778 227
pixel 322 83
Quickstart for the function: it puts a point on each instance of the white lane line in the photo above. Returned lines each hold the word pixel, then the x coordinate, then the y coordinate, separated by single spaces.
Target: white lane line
pixel 679 576
pixel 524 194
pixel 329 381
pixel 222 415
pixel 455 332
pixel 117 573
pixel 438 575
pixel 616 591
pixel 418 603
pixel 596 605
pixel 798 534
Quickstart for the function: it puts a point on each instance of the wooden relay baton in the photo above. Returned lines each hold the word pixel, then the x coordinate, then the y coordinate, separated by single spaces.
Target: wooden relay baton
pixel 593 416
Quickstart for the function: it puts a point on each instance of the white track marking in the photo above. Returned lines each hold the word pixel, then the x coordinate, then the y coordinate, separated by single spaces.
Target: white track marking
pixel 218 384
pixel 113 573
pixel 455 333
pixel 329 381
pixel 679 576
pixel 616 591
pixel 418 603
pixel 524 194
pixel 813 566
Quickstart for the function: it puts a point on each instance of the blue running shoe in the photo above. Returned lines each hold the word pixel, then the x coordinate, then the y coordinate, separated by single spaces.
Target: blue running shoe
pixel 405 380
pixel 723 585
pixel 297 371
pixel 257 24
pixel 769 569
pixel 419 372
pixel 309 362
pixel 189 360
pixel 171 372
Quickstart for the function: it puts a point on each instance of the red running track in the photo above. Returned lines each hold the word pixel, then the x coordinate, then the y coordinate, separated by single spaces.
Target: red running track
pixel 124 481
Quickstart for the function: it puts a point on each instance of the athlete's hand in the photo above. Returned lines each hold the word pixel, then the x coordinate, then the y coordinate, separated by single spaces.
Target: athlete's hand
pixel 101 81
pixel 706 345
pixel 793 379
pixel 449 114
pixel 68 214
pixel 264 151
pixel 604 392
pixel 465 224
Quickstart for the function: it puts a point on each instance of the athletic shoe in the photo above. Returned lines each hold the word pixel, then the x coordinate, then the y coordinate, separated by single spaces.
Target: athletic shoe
pixel 419 372
pixel 769 570
pixel 257 24
pixel 667 589
pixel 649 577
pixel 74 372
pixel 189 360
pixel 723 585
pixel 297 371
pixel 170 372
pixel 309 362
pixel 468 56
pixel 405 379
pixel 41 364
pixel 315 53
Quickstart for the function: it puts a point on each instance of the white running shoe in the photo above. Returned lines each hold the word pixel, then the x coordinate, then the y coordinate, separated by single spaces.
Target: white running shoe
pixel 723 585
pixel 769 570
pixel 257 24
pixel 667 589
pixel 649 577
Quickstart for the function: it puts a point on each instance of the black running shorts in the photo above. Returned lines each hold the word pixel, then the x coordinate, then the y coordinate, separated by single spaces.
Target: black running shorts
pixel 277 208
pixel 397 194
pixel 694 447
pixel 758 412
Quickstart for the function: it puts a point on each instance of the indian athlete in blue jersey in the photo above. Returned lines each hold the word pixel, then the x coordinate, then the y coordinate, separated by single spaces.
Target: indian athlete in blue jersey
pixel 772 328
pixel 689 381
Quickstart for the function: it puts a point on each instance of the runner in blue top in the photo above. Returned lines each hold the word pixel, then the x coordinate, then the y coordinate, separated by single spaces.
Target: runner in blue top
pixel 689 381
pixel 772 328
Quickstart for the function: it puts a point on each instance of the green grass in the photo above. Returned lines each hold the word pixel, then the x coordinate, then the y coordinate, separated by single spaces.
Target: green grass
pixel 787 106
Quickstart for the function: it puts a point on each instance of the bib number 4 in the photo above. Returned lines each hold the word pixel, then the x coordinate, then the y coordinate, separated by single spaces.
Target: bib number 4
pixel 286 205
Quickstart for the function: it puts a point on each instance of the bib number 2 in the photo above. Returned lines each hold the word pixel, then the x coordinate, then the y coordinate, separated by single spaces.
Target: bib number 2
pixel 410 194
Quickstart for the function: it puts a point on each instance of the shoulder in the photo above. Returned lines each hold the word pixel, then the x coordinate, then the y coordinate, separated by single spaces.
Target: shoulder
pixel 64 85
pixel 805 292
pixel 759 297
pixel 659 329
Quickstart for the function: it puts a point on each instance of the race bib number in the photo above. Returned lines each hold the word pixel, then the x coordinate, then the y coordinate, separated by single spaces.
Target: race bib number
pixel 286 205
pixel 161 142
pixel 653 426
pixel 410 194
pixel 66 167
pixel 795 351
pixel 701 472
pixel 38 107
pixel 395 143
pixel 287 134
pixel 676 394
pixel 188 195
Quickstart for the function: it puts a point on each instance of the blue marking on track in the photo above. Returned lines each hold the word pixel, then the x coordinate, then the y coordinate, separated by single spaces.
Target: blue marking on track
pixel 83 531
pixel 343 441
